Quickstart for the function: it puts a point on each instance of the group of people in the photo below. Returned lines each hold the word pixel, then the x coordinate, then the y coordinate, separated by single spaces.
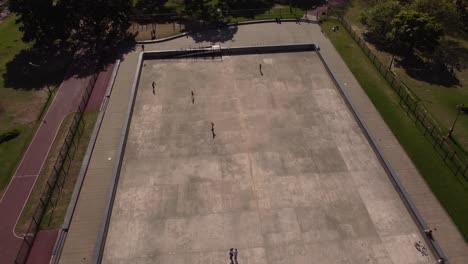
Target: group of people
pixel 233 255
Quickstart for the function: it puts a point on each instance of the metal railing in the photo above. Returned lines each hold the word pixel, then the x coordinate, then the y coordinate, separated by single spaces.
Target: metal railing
pixel 451 154
pixel 55 183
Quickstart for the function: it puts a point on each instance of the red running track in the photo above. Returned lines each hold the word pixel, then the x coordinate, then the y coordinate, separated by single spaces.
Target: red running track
pixel 67 99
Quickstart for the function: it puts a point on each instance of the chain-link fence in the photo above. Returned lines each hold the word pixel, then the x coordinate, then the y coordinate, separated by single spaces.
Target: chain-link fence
pixel 58 176
pixel 452 155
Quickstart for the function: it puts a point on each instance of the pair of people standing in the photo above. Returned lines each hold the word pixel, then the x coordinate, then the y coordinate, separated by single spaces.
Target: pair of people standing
pixel 233 255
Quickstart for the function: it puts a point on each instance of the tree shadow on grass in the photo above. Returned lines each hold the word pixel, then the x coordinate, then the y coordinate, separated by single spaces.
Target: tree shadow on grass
pixel 434 67
pixel 36 68
pixel 438 67
pixel 428 71
pixel 32 69
pixel 379 42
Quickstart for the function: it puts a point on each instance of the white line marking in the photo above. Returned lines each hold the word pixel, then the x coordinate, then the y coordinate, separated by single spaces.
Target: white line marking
pixel 27 176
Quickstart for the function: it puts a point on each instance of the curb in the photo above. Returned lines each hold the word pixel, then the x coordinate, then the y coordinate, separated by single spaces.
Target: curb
pixel 84 167
pixel 227 26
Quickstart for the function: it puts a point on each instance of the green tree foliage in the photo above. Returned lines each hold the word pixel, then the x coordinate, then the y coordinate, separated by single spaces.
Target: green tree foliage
pixel 99 22
pixel 444 11
pixel 206 10
pixel 150 6
pixel 379 18
pixel 196 8
pixel 413 29
pixel 44 22
pixel 462 10
pixel 84 24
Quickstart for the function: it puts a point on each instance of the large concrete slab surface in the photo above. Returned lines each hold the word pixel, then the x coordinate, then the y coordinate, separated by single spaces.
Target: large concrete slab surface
pixel 289 177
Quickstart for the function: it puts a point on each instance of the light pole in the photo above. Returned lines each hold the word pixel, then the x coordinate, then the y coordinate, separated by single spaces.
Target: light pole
pixel 459 111
pixel 393 45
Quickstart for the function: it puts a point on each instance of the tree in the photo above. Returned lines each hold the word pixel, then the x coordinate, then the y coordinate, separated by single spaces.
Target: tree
pixel 378 18
pixel 415 29
pixel 205 10
pixel 85 24
pixel 98 23
pixel 462 11
pixel 150 6
pixel 444 11
pixel 44 22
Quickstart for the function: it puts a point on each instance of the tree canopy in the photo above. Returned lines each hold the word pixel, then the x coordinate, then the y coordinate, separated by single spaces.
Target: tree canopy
pixel 75 23
pixel 150 6
pixel 379 17
pixel 44 22
pixel 443 11
pixel 415 29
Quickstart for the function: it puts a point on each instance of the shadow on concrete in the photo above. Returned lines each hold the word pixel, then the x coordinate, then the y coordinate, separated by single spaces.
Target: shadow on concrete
pixel 89 61
pixel 217 35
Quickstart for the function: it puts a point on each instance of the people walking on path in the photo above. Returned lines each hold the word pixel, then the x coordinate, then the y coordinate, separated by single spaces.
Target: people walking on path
pixel 193 99
pixel 260 68
pixel 231 252
pixel 154 86
pixel 235 256
pixel 142 47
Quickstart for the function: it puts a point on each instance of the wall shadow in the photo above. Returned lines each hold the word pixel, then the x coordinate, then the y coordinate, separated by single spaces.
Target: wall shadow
pixel 215 35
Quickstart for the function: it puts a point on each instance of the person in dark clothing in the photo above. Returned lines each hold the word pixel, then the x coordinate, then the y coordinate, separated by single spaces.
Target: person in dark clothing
pixel 231 253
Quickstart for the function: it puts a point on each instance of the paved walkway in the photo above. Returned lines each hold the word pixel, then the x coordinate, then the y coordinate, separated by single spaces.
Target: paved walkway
pixel 80 243
pixel 43 247
pixel 437 219
pixel 67 99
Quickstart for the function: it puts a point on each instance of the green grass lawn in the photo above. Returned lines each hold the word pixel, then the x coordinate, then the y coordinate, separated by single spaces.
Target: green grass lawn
pixel 19 109
pixel 438 99
pixel 451 191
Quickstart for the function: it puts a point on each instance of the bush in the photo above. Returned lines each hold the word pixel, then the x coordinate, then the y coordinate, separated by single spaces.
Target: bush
pixel 7 136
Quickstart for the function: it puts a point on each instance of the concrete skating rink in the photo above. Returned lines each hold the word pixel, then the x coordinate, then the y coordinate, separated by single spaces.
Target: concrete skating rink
pixel 289 177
